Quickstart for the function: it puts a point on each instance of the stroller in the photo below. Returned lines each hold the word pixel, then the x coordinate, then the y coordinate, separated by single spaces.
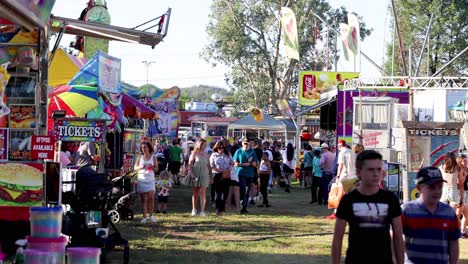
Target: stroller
pixel 123 199
pixel 88 223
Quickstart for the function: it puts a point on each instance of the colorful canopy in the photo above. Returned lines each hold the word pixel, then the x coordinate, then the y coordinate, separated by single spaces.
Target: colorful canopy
pixel 76 100
pixel 64 67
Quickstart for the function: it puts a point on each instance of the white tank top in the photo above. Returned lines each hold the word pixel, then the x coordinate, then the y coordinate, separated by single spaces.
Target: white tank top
pixel 146 174
pixel 263 166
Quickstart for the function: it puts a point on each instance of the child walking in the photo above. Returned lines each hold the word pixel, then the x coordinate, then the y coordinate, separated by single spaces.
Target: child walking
pixel 264 174
pixel 164 185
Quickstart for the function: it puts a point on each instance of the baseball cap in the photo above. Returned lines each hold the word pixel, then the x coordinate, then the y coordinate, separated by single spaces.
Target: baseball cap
pixel 341 142
pixel 324 145
pixel 245 140
pixel 429 175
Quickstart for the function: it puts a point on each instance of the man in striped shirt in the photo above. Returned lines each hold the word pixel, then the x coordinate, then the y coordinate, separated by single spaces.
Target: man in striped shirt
pixel 431 228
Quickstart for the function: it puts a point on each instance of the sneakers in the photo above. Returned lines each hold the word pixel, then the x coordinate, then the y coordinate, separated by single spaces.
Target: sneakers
pixel 152 219
pixel 202 214
pixel 144 221
pixel 330 217
pixel 194 212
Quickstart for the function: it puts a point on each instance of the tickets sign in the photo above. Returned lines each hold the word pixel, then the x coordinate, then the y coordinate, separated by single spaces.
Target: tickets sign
pixel 79 130
pixel 42 147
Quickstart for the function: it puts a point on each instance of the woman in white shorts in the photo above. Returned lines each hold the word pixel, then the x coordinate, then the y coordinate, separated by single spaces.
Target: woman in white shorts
pixel 452 191
pixel 147 165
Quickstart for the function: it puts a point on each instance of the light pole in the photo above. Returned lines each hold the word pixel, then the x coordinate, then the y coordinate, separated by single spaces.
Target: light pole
pixel 147 64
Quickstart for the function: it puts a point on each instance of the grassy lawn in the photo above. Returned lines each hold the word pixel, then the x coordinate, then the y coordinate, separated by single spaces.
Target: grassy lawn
pixel 291 231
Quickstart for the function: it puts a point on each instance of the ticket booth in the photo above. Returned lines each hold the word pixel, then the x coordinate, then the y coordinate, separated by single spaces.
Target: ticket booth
pixel 426 145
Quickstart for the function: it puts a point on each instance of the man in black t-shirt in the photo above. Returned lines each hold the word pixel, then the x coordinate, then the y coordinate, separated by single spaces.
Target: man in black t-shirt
pixel 369 211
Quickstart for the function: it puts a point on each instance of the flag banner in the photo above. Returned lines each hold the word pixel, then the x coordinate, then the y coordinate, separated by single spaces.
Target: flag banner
pixel 350 37
pixel 291 41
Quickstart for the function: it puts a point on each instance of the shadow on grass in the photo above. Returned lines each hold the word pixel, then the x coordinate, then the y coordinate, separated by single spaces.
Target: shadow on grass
pixel 141 256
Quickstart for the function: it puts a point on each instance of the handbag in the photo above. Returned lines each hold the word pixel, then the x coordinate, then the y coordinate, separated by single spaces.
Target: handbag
pixel 226 174
pixel 187 180
pixel 336 193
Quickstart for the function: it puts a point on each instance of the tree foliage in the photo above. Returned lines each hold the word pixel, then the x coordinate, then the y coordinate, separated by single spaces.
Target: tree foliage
pixel 246 36
pixel 448 36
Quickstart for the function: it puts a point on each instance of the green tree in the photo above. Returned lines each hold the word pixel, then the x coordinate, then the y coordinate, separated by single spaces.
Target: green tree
pixel 448 36
pixel 246 36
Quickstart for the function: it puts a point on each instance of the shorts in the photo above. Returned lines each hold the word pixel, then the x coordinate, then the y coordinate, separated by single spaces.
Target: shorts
pixel 234 183
pixel 255 179
pixel 145 187
pixel 286 169
pixel 450 195
pixel 163 199
pixel 174 167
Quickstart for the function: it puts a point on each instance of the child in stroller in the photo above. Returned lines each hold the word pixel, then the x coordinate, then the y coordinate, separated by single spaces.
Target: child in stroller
pixel 123 198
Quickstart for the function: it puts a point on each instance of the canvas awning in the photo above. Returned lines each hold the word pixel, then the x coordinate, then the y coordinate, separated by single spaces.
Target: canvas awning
pixel 248 122
pixel 134 107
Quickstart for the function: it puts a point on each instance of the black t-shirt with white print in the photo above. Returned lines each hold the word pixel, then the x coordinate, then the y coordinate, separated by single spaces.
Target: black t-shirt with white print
pixel 369 219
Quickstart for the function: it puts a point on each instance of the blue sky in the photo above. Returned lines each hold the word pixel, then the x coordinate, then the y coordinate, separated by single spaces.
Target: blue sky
pixel 177 61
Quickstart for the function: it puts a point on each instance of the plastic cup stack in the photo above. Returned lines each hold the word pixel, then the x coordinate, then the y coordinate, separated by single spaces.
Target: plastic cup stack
pixel 46 229
pixel 83 255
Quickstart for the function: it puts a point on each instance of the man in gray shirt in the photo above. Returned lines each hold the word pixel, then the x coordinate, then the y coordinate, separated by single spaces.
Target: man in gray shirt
pixel 86 154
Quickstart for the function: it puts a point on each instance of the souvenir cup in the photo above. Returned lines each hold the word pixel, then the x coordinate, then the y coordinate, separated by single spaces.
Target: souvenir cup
pixel 26 56
pixel 55 247
pixel 46 222
pixel 83 255
pixel 33 256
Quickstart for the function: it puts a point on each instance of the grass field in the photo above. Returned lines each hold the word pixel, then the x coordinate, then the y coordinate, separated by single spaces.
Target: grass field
pixel 291 231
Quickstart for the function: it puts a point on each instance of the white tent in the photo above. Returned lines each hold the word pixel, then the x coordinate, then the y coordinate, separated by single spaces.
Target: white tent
pixel 268 123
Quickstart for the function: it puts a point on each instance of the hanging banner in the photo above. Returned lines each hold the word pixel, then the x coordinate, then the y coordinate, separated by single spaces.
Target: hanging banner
pixel 3 144
pixel 109 73
pixel 42 147
pixel 102 70
pixel 22 116
pixel 321 86
pixel 291 41
pixel 79 130
pixel 350 37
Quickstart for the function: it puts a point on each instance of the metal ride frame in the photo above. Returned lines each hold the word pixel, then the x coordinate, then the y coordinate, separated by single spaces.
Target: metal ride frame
pixel 411 83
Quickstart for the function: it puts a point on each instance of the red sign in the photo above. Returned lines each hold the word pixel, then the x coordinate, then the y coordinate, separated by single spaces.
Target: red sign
pixel 42 147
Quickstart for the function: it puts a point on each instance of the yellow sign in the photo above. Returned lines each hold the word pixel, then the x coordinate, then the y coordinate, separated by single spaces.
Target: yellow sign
pixel 321 86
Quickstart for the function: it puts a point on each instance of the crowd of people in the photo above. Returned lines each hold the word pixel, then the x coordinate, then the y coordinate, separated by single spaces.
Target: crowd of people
pixel 238 173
